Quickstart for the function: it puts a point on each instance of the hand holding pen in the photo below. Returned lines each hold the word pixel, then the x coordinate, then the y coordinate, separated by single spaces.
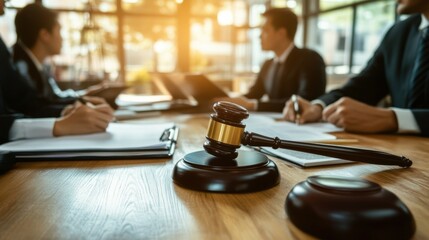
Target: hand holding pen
pixel 91 117
pixel 296 108
pixel 83 100
pixel 301 111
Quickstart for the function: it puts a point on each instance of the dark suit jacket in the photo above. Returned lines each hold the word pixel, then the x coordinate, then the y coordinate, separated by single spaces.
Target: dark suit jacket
pixel 37 79
pixel 16 97
pixel 303 74
pixel 389 73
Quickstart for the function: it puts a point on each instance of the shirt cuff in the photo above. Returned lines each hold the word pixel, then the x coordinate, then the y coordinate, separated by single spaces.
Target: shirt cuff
pixel 32 128
pixel 320 102
pixel 256 104
pixel 406 121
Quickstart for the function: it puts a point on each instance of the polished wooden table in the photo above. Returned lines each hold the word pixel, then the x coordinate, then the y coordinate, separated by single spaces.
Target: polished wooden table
pixel 137 199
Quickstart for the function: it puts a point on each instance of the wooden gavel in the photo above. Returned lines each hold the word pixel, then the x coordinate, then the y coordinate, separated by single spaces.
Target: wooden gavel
pixel 226 133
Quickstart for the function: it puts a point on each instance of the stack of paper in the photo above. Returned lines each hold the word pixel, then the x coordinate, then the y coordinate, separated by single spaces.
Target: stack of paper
pixel 119 141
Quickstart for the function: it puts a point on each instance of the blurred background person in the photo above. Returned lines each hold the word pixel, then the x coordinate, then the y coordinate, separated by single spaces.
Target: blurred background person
pixel 38 38
pixel 293 70
pixel 18 100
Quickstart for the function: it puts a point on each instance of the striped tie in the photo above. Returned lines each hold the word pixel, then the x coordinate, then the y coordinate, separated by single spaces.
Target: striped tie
pixel 421 70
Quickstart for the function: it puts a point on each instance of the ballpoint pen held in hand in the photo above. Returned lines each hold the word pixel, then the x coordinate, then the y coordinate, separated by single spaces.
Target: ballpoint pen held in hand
pixel 82 100
pixel 296 108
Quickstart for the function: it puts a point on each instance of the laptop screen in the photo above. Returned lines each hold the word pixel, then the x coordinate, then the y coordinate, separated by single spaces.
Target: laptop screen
pixel 170 83
pixel 201 88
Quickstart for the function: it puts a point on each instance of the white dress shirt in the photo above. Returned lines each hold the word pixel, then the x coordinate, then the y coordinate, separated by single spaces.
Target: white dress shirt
pixel 31 128
pixel 282 58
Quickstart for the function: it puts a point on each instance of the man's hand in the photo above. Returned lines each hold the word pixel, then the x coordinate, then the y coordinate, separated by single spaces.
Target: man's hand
pixel 355 116
pixel 309 112
pixel 249 104
pixel 84 119
pixel 93 100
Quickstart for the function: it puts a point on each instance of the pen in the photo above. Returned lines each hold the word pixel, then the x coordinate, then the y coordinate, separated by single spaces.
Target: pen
pixel 83 101
pixel 89 104
pixel 296 108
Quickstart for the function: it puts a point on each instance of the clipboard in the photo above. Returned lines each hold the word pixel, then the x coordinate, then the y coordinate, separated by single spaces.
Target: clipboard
pixel 121 141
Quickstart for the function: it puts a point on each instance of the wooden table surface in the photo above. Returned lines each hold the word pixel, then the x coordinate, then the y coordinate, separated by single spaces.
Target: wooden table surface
pixel 137 199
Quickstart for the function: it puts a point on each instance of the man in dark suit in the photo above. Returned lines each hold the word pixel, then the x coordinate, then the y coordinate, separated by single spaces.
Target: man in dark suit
pixel 292 71
pixel 17 100
pixel 39 37
pixel 399 68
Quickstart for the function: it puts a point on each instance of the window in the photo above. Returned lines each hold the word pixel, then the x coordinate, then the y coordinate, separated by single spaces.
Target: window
pixel 215 37
pixel 381 15
pixel 346 32
pixel 89 52
pixel 330 35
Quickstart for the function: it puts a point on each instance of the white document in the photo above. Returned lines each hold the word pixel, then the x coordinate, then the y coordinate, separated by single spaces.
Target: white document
pixel 133 99
pixel 267 125
pixel 120 139
pixel 302 158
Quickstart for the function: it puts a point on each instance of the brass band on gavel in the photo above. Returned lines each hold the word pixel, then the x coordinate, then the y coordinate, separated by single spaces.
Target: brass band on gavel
pixel 225 133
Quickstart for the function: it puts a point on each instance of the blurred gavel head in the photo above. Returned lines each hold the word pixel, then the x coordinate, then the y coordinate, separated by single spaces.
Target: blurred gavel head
pixel 225 130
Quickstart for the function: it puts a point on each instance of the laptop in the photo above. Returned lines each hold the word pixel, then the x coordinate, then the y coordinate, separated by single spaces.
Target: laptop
pixel 201 88
pixel 179 99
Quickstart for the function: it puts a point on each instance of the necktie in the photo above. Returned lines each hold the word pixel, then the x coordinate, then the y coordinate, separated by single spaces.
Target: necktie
pixel 275 79
pixel 421 71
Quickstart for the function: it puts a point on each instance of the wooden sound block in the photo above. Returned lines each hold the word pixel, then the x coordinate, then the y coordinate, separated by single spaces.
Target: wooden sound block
pixel 333 207
pixel 250 171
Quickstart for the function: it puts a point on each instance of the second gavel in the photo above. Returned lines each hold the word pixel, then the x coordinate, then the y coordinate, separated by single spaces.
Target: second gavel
pixel 226 133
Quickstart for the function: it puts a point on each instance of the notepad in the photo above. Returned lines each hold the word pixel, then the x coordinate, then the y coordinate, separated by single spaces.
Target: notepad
pixel 268 126
pixel 120 141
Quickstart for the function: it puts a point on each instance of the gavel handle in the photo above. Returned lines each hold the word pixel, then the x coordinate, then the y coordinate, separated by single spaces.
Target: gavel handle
pixel 347 153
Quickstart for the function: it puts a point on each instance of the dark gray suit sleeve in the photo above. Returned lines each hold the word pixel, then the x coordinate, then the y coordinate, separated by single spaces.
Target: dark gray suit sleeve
pixel 422 119
pixel 17 94
pixel 370 86
pixel 312 82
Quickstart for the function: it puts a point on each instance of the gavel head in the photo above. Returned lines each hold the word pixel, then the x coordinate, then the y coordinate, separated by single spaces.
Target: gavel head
pixel 225 130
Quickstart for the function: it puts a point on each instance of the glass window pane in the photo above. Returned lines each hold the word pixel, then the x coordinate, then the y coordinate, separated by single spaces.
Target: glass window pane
pixel 7 27
pixel 151 6
pixel 150 46
pixel 89 52
pixel 211 48
pixel 207 7
pixel 99 5
pixel 368 36
pixel 327 4
pixel 330 35
pixel 322 5
pixel 295 5
pixel 247 53
pixel 19 3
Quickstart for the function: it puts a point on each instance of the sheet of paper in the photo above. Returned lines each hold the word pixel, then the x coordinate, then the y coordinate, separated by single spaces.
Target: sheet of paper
pixel 268 126
pixel 304 159
pixel 119 136
pixel 98 154
pixel 133 99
